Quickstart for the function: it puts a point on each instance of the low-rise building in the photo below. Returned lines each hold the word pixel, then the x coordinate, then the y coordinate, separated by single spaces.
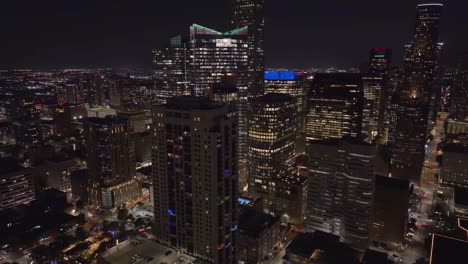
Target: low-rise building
pixel 318 247
pixel 142 250
pixel 120 194
pixel 446 249
pixel 58 169
pixel 460 202
pixel 259 235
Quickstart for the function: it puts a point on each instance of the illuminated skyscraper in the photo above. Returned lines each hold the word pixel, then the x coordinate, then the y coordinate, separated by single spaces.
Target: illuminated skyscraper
pixel 110 160
pixel 215 55
pixel 413 104
pixel 171 69
pixel 335 106
pixel 341 189
pixel 421 58
pixel 407 136
pixel 272 134
pixel 374 92
pixel 460 93
pixel 195 178
pixel 289 82
pixel 251 13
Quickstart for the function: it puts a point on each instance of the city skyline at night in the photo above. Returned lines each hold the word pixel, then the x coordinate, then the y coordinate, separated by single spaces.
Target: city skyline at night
pixel 56 34
pixel 234 132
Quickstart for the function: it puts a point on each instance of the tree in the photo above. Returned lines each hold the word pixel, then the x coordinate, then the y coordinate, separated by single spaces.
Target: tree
pixel 122 214
pixel 130 217
pixel 81 218
pixel 80 233
pixel 43 254
pixel 37 253
pixel 79 205
pixel 139 222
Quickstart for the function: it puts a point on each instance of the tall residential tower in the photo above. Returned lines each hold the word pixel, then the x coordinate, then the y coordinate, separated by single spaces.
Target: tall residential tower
pixel 195 178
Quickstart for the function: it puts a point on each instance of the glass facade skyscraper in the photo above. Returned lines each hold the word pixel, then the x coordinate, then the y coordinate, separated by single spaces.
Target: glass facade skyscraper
pixel 341 189
pixel 250 13
pixel 215 55
pixel 335 106
pixel 271 142
pixel 414 102
pixel 171 73
pixel 375 92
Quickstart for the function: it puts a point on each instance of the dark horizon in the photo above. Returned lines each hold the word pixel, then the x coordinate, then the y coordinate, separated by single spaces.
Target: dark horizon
pixel 58 34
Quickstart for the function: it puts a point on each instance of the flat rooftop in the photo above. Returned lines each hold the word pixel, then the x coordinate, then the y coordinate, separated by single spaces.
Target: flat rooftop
pixel 252 222
pixel 461 196
pixel 139 250
pixel 192 103
pixel 447 250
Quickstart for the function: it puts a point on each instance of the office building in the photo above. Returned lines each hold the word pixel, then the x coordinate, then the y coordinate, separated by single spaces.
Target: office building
pixel 259 234
pixel 58 169
pixel 407 137
pixel 454 171
pixel 290 198
pixel 319 247
pixel 460 92
pixel 97 88
pixel 171 72
pixel 110 156
pixel 272 133
pixel 421 57
pixel 137 120
pixel 454 127
pixel 289 82
pixel 341 189
pixel 79 180
pixel 225 91
pixel 374 82
pixel 27 126
pixel 250 13
pixel 66 117
pixel 446 249
pixel 101 112
pixel 413 104
pixel 143 250
pixel 335 106
pixel 448 88
pixel 459 207
pixel 391 203
pixel 195 180
pixel 216 55
pixel 143 147
pixel 16 184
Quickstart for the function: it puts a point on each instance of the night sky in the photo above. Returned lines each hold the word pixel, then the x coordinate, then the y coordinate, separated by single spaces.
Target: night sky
pixel 299 33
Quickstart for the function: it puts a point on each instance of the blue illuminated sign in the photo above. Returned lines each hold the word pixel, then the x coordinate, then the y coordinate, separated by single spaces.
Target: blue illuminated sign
pixel 280 75
pixel 244 201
